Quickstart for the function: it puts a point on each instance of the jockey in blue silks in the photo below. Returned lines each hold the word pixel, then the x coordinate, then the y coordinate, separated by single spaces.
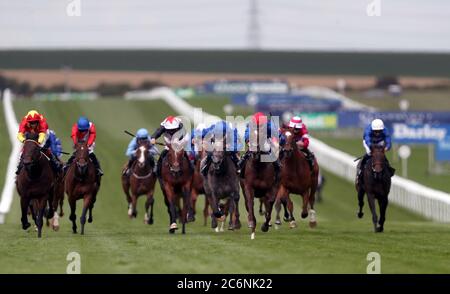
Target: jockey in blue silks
pixel 142 136
pixel 53 143
pixel 374 134
pixel 222 131
pixel 259 119
pixel 197 136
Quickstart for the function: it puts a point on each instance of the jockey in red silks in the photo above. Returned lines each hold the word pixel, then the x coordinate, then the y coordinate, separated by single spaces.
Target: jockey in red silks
pixel 301 138
pixel 35 124
pixel 171 126
pixel 84 131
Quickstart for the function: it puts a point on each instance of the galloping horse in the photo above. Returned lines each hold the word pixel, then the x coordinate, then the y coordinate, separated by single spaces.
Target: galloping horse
pixel 298 178
pixel 221 183
pixel 260 181
pixel 81 182
pixel 197 188
pixel 175 181
pixel 141 181
pixel 377 184
pixel 56 200
pixel 34 182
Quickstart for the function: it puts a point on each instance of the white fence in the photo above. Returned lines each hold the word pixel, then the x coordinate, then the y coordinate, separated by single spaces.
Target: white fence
pixel 430 203
pixel 12 126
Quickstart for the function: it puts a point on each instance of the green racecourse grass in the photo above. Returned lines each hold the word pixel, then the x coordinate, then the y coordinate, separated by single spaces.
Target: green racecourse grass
pixel 115 244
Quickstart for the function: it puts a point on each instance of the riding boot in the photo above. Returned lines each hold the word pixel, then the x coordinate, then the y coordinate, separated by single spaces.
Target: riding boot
pixel 361 165
pixel 96 163
pixel 159 163
pixel 68 163
pixel 309 158
pixel 126 172
pixel 54 163
pixel 241 163
pixel 204 167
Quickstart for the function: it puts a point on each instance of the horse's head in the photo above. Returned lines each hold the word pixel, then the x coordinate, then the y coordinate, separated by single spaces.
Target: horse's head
pixel 289 144
pixel 82 157
pixel 175 158
pixel 218 156
pixel 143 154
pixel 378 160
pixel 31 153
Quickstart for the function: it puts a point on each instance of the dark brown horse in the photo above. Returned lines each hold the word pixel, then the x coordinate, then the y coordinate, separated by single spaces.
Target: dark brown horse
pixel 376 184
pixel 176 181
pixel 198 189
pixel 141 181
pixel 34 183
pixel 57 200
pixel 259 181
pixel 81 182
pixel 297 178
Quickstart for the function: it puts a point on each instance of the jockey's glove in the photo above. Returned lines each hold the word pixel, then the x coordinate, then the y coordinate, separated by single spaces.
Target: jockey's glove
pixel 21 137
pixel 41 138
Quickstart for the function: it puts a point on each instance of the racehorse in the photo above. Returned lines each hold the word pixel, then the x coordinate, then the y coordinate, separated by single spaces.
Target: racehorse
pixel 175 181
pixel 222 183
pixel 298 178
pixel 81 182
pixel 141 181
pixel 56 200
pixel 259 181
pixel 197 188
pixel 34 183
pixel 376 184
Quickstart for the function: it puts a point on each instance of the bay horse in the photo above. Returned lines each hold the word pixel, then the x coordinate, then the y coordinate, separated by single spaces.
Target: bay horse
pixel 297 178
pixel 81 182
pixel 259 181
pixel 141 181
pixel 34 184
pixel 376 184
pixel 56 200
pixel 175 181
pixel 222 183
pixel 197 189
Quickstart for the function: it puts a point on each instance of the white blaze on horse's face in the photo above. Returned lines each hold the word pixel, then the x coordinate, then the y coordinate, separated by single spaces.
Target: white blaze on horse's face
pixel 288 134
pixel 142 157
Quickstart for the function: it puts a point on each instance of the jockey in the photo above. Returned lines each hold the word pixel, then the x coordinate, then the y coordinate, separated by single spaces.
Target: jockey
pixel 301 138
pixel 84 131
pixel 34 123
pixel 259 119
pixel 53 144
pixel 169 127
pixel 197 136
pixel 374 134
pixel 142 136
pixel 224 131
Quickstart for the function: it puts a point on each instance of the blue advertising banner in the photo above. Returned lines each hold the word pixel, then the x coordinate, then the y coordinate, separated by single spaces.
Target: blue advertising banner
pixel 229 87
pixel 360 119
pixel 419 134
pixel 295 103
pixel 442 151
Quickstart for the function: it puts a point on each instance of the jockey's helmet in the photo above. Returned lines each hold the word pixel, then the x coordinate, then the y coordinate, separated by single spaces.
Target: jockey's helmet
pixel 171 123
pixel 259 118
pixel 142 134
pixel 296 122
pixel 83 124
pixel 377 125
pixel 33 116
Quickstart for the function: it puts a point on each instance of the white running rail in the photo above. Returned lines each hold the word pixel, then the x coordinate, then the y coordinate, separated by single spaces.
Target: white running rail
pixel 430 203
pixel 12 126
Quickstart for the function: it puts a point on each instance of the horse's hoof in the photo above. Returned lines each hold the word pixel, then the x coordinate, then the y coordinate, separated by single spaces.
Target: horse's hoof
pixel 26 226
pixel 286 219
pixel 312 224
pixel 173 226
pixel 171 231
pixel 278 222
pixel 74 231
pixel 150 221
pixel 360 214
pixel 216 229
pixel 304 214
pixel 191 218
pixel 90 220
pixel 379 230
pixel 292 224
pixel 252 236
pixel 264 228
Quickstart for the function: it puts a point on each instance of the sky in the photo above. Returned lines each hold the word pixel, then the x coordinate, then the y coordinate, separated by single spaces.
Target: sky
pixel 294 25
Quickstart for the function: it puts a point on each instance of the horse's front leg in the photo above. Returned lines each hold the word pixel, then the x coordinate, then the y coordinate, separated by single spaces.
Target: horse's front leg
pixel 73 216
pixel 371 200
pixel 383 203
pixel 148 218
pixel 186 192
pixel 250 209
pixel 40 207
pixel 24 205
pixel 361 202
pixel 172 208
pixel 86 204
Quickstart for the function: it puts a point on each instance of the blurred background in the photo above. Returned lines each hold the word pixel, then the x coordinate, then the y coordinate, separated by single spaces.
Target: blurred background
pixel 339 64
